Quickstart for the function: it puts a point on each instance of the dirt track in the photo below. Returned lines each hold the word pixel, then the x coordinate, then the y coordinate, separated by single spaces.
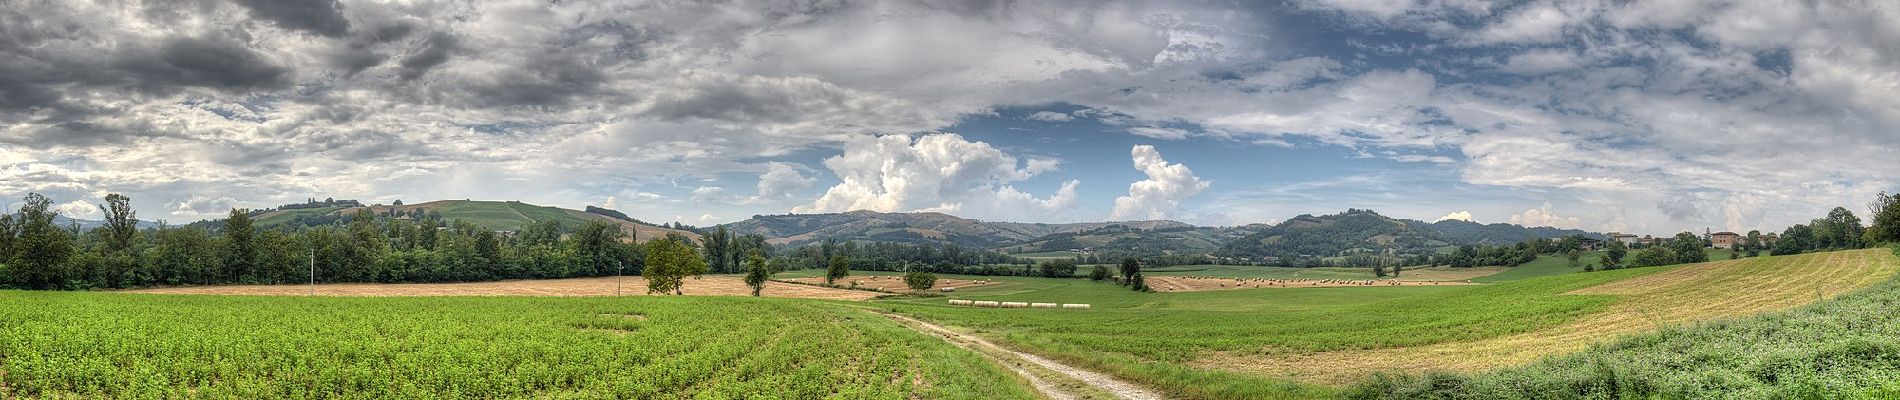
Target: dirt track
pixel 1054 379
pixel 895 284
pixel 711 285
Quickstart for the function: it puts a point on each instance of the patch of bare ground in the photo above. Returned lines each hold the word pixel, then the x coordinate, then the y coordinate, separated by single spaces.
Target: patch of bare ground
pixel 1447 274
pixel 1687 294
pixel 893 284
pixel 711 285
pixel 1196 284
pixel 1053 379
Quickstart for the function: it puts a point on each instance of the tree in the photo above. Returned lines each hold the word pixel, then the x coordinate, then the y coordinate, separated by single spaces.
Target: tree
pixel 1378 271
pixel 757 272
pixel 1099 273
pixel 837 269
pixel 1654 256
pixel 1613 255
pixel 1397 268
pixel 598 244
pixel 121 222
pixel 1574 256
pixel 398 202
pixel 1885 212
pixel 1138 283
pixel 1841 230
pixel 1796 239
pixel 41 251
pixel 1130 268
pixel 1688 249
pixel 240 258
pixel 1058 269
pixel 669 262
pixel 919 280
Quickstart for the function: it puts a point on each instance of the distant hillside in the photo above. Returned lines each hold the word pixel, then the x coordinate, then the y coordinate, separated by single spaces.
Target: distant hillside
pixel 87 224
pixel 1124 240
pixel 1467 232
pixel 497 215
pixel 1333 235
pixel 797 229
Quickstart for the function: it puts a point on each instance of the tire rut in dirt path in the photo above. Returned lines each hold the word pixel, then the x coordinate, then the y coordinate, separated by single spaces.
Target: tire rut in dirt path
pixel 1054 379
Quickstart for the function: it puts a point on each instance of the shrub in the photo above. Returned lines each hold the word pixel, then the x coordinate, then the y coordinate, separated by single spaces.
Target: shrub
pixel 919 280
pixel 1101 271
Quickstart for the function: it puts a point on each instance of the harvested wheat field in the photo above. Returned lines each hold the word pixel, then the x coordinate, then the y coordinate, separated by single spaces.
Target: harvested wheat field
pixel 1686 294
pixel 1448 274
pixel 894 284
pixel 711 285
pixel 1196 283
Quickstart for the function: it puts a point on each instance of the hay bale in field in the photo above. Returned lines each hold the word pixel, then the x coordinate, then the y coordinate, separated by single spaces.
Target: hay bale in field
pixel 1042 305
pixel 1015 304
pixel 1075 306
pixel 948 289
pixel 986 304
pixel 959 302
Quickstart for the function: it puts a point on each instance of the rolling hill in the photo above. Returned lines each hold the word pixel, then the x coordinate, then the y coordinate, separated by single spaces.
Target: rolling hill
pixel 1333 235
pixel 497 215
pixel 923 227
pixel 1467 232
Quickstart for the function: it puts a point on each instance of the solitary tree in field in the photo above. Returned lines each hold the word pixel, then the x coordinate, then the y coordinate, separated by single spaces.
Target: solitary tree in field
pixel 1130 268
pixel 1398 268
pixel 669 262
pixel 837 269
pixel 1574 256
pixel 1100 273
pixel 757 272
pixel 919 280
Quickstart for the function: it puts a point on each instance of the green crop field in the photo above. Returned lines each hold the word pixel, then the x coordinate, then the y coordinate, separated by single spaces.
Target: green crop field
pixel 94 345
pixel 1245 271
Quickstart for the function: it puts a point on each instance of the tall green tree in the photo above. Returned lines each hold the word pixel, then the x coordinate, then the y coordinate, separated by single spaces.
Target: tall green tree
pixel 1885 213
pixel 1688 248
pixel 240 257
pixel 1130 268
pixel 669 262
pixel 42 249
pixel 598 244
pixel 919 280
pixel 121 222
pixel 1100 273
pixel 1613 255
pixel 838 268
pixel 757 272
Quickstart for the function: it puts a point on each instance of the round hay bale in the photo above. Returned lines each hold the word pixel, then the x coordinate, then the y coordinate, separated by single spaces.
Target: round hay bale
pixel 948 289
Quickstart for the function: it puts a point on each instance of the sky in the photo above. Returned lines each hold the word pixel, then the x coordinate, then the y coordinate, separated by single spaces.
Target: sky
pixel 1649 117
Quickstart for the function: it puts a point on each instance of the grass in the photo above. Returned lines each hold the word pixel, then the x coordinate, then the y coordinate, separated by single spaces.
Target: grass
pixel 1185 343
pixel 1544 265
pixel 285 216
pixel 1848 347
pixel 1247 271
pixel 114 345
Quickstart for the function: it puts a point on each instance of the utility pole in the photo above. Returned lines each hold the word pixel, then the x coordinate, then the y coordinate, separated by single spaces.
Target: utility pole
pixel 617 277
pixel 313 272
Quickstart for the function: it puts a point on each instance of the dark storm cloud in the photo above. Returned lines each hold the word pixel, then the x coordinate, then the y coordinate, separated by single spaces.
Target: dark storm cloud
pixel 551 81
pixel 212 62
pixel 434 52
pixel 322 17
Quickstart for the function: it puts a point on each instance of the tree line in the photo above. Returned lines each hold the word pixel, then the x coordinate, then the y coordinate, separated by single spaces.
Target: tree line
pixel 35 253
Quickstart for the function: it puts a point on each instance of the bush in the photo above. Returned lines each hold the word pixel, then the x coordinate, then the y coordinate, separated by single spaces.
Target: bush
pixel 1101 271
pixel 1058 269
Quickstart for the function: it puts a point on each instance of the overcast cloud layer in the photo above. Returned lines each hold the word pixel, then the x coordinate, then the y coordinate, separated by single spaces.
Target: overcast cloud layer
pixel 1647 116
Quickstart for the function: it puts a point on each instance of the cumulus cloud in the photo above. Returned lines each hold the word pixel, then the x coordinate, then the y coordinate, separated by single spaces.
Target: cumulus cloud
pixel 1159 196
pixel 782 180
pixel 939 172
pixel 1456 215
pixel 78 209
pixel 1051 116
pixel 202 206
pixel 1544 216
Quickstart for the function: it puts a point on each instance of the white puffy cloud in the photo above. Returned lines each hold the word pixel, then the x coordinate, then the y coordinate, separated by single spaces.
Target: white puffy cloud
pixel 1544 216
pixel 782 180
pixel 1456 215
pixel 204 207
pixel 78 209
pixel 1051 116
pixel 1159 196
pixel 940 172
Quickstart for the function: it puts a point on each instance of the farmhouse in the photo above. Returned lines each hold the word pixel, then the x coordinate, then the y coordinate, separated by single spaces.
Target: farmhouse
pixel 1725 240
pixel 1588 244
pixel 1626 238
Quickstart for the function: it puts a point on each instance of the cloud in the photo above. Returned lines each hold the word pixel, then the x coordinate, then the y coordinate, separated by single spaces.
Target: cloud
pixel 204 207
pixel 316 16
pixel 609 203
pixel 939 172
pixel 1159 196
pixel 78 209
pixel 1543 216
pixel 782 180
pixel 1456 215
pixel 1051 116
pixel 707 194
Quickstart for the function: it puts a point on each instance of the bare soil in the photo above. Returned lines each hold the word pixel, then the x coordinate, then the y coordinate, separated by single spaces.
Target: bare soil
pixel 1196 284
pixel 711 285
